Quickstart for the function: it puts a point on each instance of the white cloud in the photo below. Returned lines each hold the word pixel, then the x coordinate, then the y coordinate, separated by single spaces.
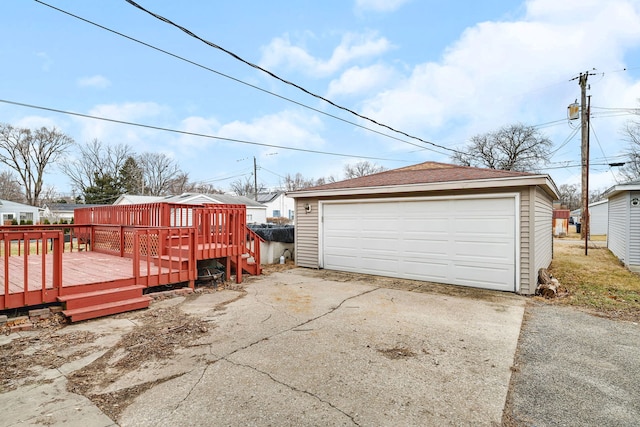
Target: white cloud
pixel 36 122
pixel 281 52
pixel 287 128
pixel 359 80
pixel 380 5
pixel 97 81
pixel 502 72
pixel 114 133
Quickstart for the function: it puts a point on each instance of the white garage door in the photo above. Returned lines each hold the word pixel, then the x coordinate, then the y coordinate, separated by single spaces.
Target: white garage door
pixel 468 242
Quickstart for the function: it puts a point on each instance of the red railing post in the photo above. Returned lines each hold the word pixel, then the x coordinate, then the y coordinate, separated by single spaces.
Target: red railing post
pixel 58 248
pixel 7 254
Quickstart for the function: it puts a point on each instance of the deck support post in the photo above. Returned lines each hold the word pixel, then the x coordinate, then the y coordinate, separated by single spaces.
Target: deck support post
pixel 239 268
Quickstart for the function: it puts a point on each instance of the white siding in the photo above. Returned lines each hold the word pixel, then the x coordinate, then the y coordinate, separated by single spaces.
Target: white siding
pixel 543 241
pixel 619 226
pixel 306 234
pixel 634 230
pixel 598 218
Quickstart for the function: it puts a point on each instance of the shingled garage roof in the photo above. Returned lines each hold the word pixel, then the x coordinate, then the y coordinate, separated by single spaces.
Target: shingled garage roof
pixel 429 173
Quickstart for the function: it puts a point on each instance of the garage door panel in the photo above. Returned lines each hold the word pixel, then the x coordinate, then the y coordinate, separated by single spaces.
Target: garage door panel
pixel 459 241
pixel 484 251
pixel 467 274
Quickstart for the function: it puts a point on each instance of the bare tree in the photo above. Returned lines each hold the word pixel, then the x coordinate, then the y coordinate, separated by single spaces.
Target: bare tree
pixel 362 168
pixel 246 187
pixel 296 182
pixel 95 160
pixel 159 171
pixel 570 196
pixel 29 153
pixel 10 188
pixel 514 147
pixel 631 133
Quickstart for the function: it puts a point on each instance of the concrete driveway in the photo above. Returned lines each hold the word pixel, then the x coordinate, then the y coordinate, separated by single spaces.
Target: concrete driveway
pixel 302 347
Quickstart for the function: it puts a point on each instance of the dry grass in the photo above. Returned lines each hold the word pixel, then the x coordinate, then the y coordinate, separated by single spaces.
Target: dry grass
pixel 597 281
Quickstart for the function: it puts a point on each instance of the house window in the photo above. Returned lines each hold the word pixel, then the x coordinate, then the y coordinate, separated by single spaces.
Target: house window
pixel 290 214
pixel 7 217
pixel 276 213
pixel 26 216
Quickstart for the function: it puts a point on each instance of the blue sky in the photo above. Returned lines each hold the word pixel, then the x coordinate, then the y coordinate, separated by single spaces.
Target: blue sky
pixel 442 71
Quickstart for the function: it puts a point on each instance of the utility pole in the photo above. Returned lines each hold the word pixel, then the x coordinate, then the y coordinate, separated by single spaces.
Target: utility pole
pixel 255 177
pixel 584 118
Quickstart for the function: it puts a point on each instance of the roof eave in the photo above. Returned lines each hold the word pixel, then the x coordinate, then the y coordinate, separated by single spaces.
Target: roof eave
pixel 617 189
pixel 543 181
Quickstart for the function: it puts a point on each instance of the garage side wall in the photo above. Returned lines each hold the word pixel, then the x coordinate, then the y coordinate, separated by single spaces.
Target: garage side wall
pixel 543 237
pixel 306 233
pixel 618 226
pixel 634 231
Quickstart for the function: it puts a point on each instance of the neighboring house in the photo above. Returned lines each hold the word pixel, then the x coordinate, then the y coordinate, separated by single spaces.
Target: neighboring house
pixel 278 204
pixel 57 212
pixel 256 212
pixel 623 233
pixel 434 222
pixel 12 211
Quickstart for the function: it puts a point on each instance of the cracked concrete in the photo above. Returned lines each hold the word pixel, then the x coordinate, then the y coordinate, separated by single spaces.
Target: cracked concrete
pixel 301 350
pixel 310 353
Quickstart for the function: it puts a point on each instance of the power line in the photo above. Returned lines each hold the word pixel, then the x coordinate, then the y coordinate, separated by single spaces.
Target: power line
pixel 237 80
pixel 593 131
pixel 201 135
pixel 287 82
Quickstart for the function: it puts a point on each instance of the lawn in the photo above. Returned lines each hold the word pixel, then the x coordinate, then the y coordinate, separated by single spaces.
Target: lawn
pixel 596 282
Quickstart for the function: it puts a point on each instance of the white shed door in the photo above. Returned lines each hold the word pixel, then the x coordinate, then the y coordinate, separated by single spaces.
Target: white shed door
pixel 468 242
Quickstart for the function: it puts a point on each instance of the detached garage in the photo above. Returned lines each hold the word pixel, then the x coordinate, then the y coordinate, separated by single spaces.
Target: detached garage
pixel 434 222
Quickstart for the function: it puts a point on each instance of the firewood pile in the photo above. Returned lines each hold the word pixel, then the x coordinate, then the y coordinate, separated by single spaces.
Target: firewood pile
pixel 548 286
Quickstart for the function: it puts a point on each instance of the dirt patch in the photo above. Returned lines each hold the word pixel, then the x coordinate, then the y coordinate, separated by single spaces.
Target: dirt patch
pixel 23 359
pixel 397 353
pixel 410 285
pixel 162 332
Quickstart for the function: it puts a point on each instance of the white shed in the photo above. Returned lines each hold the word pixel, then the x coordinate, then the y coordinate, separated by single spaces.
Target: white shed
pixel 623 235
pixel 599 218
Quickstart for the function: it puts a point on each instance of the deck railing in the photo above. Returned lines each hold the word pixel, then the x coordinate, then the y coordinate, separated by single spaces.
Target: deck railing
pixel 38 248
pixel 167 253
pixel 163 240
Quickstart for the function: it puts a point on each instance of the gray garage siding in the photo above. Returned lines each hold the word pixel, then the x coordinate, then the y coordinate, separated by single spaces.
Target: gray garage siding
pixel 634 230
pixel 543 240
pixel 618 226
pixel 306 234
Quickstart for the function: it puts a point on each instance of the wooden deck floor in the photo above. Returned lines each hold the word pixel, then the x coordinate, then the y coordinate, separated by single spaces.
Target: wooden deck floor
pixel 78 268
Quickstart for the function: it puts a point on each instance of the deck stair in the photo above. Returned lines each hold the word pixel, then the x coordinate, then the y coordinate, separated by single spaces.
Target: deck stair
pixel 173 262
pixel 93 304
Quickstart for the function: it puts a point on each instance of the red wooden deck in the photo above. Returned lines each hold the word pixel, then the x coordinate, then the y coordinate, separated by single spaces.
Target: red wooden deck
pixel 121 248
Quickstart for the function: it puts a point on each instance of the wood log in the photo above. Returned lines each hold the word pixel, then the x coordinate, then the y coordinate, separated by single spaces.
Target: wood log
pixel 547 284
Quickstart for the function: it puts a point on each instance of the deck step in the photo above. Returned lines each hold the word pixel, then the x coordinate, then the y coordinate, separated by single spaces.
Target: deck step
pixel 104 296
pixel 100 310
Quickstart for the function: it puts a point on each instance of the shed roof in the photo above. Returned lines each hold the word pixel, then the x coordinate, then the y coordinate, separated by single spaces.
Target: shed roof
pixel 620 188
pixel 430 176
pixel 7 204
